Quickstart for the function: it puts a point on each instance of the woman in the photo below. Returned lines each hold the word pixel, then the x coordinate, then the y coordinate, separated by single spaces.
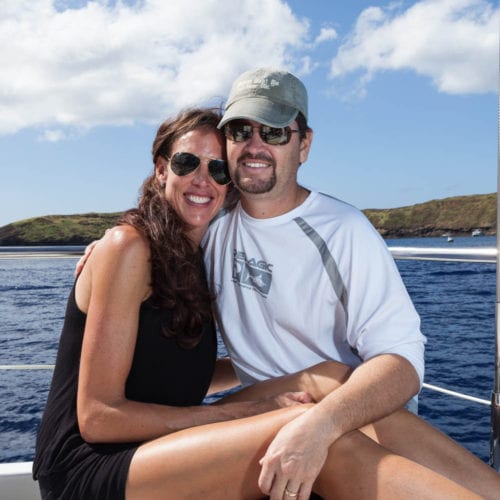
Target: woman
pixel 137 354
pixel 138 332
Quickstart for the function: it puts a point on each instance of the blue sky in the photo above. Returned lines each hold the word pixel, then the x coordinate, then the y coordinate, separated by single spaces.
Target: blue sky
pixel 403 94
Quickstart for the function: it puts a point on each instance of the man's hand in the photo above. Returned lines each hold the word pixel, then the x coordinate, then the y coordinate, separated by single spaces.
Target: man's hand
pixel 294 459
pixel 83 259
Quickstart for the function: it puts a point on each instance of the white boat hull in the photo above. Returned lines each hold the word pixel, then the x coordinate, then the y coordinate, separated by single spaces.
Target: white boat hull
pixel 16 482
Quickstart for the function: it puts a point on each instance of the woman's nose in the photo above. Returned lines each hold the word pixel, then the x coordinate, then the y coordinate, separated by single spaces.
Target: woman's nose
pixel 201 174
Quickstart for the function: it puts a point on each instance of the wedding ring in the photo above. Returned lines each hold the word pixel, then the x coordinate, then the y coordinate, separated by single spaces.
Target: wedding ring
pixel 289 493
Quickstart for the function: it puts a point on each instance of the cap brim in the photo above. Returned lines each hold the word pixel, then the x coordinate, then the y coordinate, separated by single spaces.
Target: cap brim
pixel 260 110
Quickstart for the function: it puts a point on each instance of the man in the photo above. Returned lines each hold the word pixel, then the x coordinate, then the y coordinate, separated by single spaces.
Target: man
pixel 312 275
pixel 300 278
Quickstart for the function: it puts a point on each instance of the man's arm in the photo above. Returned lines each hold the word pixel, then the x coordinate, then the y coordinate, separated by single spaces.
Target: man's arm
pixel 384 330
pixel 375 389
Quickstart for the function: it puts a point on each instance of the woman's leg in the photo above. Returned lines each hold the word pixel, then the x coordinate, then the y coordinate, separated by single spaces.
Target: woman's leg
pixel 220 461
pixel 215 461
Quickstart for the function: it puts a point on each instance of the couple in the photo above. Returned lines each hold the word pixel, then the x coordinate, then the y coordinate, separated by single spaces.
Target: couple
pixel 319 327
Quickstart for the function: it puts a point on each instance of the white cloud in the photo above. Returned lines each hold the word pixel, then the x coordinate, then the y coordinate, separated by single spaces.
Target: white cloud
pixel 453 42
pixel 115 62
pixel 325 35
pixel 52 136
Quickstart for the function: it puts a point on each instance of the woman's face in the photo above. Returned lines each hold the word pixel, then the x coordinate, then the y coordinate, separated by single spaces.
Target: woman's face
pixel 196 197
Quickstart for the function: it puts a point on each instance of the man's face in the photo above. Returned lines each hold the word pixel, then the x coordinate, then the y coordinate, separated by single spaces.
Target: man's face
pixel 258 168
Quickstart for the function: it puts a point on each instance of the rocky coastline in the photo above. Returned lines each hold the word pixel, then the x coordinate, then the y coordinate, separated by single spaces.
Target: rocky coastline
pixel 455 216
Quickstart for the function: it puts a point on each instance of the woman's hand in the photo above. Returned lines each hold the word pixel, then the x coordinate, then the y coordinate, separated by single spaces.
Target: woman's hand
pixel 292 399
pixel 241 409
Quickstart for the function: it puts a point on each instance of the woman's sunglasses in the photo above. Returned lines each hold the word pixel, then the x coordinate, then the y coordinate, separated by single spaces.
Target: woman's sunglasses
pixel 185 163
pixel 240 131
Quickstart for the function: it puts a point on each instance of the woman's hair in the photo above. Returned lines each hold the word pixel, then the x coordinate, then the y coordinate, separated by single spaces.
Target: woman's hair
pixel 176 281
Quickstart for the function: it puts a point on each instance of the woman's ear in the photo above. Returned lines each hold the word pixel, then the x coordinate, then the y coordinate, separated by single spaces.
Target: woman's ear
pixel 161 170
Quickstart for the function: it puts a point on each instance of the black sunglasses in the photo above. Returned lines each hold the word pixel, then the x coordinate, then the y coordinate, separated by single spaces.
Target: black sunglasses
pixel 240 131
pixel 185 163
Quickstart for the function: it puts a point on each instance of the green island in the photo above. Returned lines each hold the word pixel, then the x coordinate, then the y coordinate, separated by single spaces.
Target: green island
pixel 456 216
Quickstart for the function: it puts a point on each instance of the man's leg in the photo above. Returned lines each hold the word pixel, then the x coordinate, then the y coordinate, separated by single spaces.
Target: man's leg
pixel 410 436
pixel 358 468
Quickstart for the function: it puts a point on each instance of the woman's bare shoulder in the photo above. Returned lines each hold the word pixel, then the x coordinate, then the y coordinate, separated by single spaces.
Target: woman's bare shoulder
pixel 124 241
pixel 121 257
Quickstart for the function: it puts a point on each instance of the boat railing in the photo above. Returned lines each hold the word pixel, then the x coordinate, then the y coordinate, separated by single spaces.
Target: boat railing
pixel 484 255
pixel 488 255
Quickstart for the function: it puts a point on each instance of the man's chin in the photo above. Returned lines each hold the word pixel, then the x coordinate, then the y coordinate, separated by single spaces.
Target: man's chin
pixel 253 189
pixel 254 186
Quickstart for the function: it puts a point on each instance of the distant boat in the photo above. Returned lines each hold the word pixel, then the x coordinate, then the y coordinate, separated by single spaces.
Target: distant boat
pixel 450 239
pixel 477 232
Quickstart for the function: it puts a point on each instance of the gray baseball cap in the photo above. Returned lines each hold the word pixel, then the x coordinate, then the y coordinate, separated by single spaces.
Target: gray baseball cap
pixel 266 95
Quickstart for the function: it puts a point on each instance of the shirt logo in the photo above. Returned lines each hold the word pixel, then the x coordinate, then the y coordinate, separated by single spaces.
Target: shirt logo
pixel 256 83
pixel 252 273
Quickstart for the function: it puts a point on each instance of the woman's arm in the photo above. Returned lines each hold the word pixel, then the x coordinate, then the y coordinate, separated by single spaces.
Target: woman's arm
pixel 110 290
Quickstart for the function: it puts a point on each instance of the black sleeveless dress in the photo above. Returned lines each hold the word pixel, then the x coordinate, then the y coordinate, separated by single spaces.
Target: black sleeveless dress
pixel 162 372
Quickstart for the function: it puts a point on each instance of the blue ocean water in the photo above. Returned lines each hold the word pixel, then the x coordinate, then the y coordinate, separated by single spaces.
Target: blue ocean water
pixel 455 300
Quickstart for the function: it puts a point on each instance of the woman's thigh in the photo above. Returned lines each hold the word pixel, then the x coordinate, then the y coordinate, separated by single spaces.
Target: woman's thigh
pixel 210 461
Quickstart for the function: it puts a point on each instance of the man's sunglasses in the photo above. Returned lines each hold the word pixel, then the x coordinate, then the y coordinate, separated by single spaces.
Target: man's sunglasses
pixel 185 163
pixel 240 131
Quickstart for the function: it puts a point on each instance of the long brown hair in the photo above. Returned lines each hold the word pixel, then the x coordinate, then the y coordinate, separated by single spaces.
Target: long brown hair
pixel 175 267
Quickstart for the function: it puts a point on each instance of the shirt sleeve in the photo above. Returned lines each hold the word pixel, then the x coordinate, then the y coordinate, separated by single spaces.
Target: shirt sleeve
pixel 381 316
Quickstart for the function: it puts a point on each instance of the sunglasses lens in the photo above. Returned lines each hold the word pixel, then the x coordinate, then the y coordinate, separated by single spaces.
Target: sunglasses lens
pixel 184 163
pixel 240 132
pixel 274 136
pixel 219 172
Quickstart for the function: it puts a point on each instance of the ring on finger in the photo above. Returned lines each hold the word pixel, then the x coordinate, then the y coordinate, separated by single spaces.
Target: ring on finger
pixel 291 493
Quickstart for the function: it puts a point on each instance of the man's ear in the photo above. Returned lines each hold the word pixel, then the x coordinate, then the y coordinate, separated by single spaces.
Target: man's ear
pixel 305 146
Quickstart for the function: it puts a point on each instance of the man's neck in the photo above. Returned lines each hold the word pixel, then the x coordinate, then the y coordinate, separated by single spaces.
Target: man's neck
pixel 265 206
